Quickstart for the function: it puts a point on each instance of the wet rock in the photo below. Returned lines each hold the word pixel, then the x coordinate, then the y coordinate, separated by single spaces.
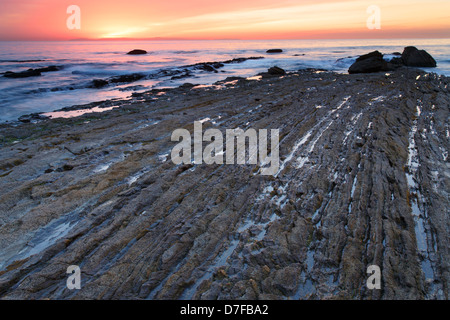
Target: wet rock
pixel 99 83
pixel 414 57
pixel 276 71
pixel 181 76
pixel 209 67
pixel 132 88
pixel 140 228
pixel 137 51
pixel 274 51
pixel 240 60
pixel 368 63
pixel 23 74
pixel 286 280
pixel 30 72
pixel 396 61
pixel 34 117
pixel 49 69
pixel 187 85
pixel 127 78
pixel 67 167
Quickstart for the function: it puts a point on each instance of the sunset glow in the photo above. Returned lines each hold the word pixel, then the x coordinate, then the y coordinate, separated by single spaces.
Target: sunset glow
pixel 233 19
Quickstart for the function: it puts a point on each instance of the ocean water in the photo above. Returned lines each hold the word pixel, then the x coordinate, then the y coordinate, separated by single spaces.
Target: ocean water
pixel 84 61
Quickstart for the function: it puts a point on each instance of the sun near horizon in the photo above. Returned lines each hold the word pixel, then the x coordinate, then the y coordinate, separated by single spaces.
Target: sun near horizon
pixel 232 19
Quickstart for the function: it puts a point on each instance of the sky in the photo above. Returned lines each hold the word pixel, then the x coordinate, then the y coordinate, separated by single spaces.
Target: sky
pixel 228 19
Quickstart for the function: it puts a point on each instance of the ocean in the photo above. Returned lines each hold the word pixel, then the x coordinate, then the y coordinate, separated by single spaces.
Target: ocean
pixel 83 61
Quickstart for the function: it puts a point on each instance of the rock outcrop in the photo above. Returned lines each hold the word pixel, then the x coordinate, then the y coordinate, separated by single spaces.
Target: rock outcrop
pixel 22 74
pixel 276 71
pixel 30 72
pixel 374 61
pixel 33 118
pixel 368 63
pixel 414 57
pixel 274 51
pixel 137 51
pixel 363 180
pixel 174 73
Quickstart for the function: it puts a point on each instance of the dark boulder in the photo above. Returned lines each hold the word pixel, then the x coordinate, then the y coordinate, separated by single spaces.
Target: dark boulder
pixel 137 51
pixel 276 71
pixel 374 54
pixel 274 51
pixel 98 83
pixel 367 63
pixel 414 57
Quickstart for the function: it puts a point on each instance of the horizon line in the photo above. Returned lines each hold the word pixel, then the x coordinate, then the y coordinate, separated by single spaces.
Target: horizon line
pixel 218 39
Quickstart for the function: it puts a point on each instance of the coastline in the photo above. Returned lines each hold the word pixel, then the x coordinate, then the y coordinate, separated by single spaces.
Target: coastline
pixel 100 190
pixel 108 64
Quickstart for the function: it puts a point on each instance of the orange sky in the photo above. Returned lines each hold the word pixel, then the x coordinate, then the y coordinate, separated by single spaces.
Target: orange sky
pixel 230 19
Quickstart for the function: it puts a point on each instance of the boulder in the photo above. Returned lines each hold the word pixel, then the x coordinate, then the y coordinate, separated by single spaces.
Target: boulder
pixel 274 51
pixel 98 83
pixel 276 71
pixel 137 51
pixel 371 62
pixel 414 57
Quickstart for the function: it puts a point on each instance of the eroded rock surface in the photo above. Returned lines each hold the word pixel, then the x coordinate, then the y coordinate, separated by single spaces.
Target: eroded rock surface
pixel 363 180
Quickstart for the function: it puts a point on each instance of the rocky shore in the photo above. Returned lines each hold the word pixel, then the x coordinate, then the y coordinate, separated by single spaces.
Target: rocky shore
pixel 363 180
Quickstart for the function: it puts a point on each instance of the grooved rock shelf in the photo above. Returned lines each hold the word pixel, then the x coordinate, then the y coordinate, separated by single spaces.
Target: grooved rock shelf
pixel 363 180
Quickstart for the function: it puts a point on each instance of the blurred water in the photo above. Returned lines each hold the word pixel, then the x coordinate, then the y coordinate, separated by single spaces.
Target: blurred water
pixel 83 61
